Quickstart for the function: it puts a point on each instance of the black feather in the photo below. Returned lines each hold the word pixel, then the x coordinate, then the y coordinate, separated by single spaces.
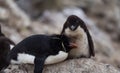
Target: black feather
pixel 4 50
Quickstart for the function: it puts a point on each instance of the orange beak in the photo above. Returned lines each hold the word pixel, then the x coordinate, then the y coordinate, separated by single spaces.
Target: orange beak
pixel 73 45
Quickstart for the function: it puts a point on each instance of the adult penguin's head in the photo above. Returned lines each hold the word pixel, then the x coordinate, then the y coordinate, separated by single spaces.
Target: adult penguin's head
pixel 72 23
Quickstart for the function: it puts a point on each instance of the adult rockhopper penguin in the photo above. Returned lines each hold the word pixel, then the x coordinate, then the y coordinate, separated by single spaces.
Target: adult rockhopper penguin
pixel 5 45
pixel 37 48
pixel 76 29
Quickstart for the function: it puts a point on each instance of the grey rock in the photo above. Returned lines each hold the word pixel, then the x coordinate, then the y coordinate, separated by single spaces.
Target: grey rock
pixel 68 66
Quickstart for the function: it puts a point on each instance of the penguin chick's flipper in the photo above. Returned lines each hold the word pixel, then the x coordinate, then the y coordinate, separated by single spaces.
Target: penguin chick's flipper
pixel 39 64
pixel 61 56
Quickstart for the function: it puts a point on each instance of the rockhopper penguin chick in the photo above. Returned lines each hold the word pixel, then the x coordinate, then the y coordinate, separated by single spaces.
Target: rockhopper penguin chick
pixel 76 29
pixel 5 45
pixel 38 48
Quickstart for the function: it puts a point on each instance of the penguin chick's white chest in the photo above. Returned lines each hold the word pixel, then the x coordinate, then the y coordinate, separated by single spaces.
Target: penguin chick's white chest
pixel 80 38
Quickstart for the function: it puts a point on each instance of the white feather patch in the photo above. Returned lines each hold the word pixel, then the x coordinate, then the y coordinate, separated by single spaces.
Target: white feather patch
pixel 57 58
pixel 11 47
pixel 26 58
pixel 14 62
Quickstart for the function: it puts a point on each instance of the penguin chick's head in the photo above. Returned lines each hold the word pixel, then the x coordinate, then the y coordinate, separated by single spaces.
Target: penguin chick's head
pixel 72 23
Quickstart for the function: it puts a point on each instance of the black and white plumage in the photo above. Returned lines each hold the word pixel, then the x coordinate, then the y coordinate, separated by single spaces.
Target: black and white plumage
pixel 76 29
pixel 5 46
pixel 38 48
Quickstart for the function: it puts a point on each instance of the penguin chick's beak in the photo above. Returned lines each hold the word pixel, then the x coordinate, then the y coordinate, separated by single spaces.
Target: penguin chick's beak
pixel 73 45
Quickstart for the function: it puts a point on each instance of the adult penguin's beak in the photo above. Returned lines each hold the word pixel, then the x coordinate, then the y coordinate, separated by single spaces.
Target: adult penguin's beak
pixel 72 27
pixel 73 45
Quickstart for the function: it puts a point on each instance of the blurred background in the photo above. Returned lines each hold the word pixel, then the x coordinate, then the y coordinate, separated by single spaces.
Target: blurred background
pixel 22 18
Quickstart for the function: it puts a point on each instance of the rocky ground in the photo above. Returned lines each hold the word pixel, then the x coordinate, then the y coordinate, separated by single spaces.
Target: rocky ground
pixel 70 66
pixel 27 17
